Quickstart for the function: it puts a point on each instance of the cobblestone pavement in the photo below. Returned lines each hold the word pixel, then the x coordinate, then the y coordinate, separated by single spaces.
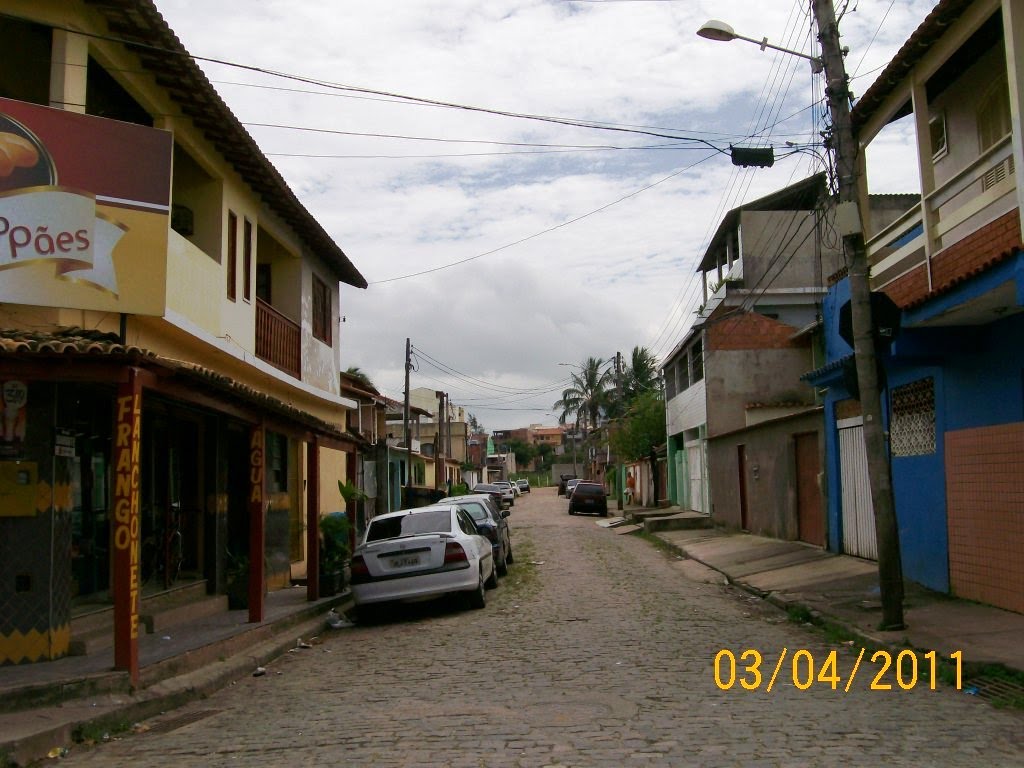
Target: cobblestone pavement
pixel 596 650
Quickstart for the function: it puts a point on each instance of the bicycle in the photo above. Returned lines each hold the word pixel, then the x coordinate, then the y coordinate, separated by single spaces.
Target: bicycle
pixel 162 553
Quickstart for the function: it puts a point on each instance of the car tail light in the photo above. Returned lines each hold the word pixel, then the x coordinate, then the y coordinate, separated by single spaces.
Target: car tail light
pixel 358 570
pixel 455 556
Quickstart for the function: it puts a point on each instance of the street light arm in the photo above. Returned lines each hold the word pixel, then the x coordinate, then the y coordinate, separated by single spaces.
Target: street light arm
pixel 723 33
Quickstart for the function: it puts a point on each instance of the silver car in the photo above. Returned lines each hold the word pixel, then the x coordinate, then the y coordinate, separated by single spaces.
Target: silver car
pixel 420 554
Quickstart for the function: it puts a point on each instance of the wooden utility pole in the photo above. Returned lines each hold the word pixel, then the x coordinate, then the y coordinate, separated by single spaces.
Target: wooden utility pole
pixel 408 427
pixel 849 220
pixel 618 464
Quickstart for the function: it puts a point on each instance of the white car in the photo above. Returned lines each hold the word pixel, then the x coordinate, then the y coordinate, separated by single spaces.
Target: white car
pixel 420 554
pixel 511 488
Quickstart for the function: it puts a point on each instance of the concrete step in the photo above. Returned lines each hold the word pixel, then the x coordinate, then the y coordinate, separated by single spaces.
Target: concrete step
pixel 93 631
pixel 682 521
pixel 170 616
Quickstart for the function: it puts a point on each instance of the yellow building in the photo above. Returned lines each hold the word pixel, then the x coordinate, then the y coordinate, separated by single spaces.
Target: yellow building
pixel 170 357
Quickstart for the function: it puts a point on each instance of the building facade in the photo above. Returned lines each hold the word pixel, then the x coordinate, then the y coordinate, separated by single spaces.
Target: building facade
pixel 169 355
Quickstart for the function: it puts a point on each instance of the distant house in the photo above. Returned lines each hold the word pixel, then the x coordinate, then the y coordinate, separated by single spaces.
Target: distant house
pixel 735 406
pixel 951 358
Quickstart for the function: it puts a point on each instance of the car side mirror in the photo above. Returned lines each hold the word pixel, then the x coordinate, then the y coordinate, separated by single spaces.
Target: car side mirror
pixel 506 512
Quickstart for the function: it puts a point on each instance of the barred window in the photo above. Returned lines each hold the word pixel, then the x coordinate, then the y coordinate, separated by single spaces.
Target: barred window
pixel 912 431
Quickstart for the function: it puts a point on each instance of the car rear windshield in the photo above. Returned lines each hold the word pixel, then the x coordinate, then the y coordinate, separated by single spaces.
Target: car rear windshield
pixel 589 488
pixel 476 511
pixel 433 521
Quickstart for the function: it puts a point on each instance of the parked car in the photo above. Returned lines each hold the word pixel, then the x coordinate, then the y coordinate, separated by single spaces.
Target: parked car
pixel 524 485
pixel 562 482
pixel 492 521
pixel 588 497
pixel 419 554
pixel 495 491
pixel 510 485
pixel 570 484
pixel 508 494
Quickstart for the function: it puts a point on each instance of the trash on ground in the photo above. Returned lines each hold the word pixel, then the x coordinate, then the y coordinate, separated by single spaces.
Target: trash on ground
pixel 260 672
pixel 337 621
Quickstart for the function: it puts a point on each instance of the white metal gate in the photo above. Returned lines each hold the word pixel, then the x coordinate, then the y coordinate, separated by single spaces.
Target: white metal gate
pixel 695 466
pixel 858 511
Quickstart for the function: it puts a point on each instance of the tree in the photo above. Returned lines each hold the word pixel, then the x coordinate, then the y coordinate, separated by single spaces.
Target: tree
pixel 584 398
pixel 359 375
pixel 475 425
pixel 525 453
pixel 641 375
pixel 641 430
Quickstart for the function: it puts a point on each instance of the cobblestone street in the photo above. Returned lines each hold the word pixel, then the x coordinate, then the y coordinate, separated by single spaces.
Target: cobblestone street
pixel 595 650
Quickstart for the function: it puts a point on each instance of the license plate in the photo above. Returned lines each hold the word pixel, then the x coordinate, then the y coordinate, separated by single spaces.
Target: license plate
pixel 588 502
pixel 405 562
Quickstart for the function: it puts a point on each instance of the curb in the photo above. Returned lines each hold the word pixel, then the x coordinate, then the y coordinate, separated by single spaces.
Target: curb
pixel 161 696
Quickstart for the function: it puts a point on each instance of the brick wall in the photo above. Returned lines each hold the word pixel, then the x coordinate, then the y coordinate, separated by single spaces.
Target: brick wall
pixel 964 258
pixel 985 500
pixel 751 330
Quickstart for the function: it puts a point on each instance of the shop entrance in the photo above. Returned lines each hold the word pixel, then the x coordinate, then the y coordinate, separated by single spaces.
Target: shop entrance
pixel 171 500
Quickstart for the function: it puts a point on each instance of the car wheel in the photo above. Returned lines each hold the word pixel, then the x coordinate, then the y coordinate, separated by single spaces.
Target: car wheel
pixel 502 566
pixel 492 580
pixel 478 597
pixel 572 511
pixel 508 554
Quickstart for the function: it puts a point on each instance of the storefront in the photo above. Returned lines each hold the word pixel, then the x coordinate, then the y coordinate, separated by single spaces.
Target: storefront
pixel 182 476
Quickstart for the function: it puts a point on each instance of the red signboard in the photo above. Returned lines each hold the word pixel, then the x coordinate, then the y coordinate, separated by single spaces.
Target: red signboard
pixel 84 204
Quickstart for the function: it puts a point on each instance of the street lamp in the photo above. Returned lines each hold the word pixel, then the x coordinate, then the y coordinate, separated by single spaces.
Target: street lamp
pixel 848 219
pixel 723 33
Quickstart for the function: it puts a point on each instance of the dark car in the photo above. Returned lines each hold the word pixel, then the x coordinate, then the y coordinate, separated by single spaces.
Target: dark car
pixel 491 520
pixel 524 484
pixel 588 497
pixel 562 480
pixel 496 492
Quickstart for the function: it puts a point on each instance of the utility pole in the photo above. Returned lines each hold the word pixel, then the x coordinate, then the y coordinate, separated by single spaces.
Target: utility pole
pixel 890 570
pixel 408 428
pixel 618 462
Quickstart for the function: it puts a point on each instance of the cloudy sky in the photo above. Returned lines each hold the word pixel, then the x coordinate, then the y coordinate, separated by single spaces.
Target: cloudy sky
pixel 508 245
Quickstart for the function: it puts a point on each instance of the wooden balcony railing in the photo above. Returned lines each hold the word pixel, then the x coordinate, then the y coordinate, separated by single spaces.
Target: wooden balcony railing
pixel 278 340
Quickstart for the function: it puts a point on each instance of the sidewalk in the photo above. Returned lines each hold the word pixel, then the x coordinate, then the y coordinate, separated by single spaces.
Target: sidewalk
pixel 43 705
pixel 843 591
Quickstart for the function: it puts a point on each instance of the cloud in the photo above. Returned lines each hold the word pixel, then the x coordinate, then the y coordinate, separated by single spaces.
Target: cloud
pixel 590 252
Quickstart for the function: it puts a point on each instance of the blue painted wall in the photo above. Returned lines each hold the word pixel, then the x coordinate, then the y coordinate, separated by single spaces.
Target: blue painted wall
pixel 978 373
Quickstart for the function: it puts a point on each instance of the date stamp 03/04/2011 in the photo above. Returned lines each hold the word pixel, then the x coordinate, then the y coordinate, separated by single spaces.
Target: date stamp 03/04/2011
pixel 903 670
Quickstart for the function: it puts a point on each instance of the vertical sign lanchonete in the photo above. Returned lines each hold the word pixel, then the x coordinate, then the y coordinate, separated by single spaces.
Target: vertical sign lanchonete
pixel 127 441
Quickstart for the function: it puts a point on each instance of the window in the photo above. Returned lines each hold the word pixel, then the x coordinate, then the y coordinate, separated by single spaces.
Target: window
pixel 232 255
pixel 937 132
pixel 912 428
pixel 247 260
pixel 697 361
pixel 321 311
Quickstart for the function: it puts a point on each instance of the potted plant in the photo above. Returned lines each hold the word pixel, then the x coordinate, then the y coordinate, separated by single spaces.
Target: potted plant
pixel 334 552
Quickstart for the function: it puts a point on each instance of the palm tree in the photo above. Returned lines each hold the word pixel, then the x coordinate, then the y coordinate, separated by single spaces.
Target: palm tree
pixel 584 397
pixel 359 375
pixel 642 374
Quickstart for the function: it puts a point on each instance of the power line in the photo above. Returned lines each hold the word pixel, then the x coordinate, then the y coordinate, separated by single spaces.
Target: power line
pixel 535 235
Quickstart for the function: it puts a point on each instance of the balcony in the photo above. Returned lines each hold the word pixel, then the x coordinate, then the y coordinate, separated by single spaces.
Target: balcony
pixel 977 195
pixel 278 340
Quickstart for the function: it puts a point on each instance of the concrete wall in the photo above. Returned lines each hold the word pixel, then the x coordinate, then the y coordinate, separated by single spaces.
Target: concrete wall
pixel 770 475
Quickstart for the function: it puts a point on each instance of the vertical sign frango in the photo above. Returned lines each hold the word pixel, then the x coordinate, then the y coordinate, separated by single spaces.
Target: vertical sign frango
pixel 127 434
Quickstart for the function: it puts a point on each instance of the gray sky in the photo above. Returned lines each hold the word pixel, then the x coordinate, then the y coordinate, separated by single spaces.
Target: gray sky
pixel 574 242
